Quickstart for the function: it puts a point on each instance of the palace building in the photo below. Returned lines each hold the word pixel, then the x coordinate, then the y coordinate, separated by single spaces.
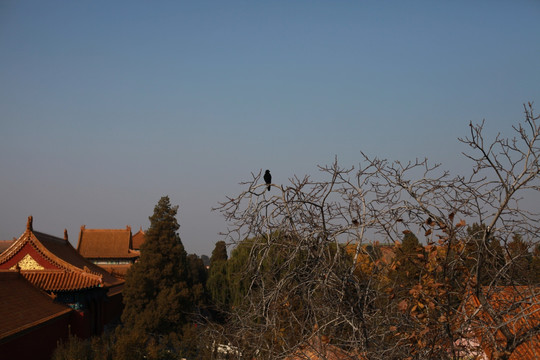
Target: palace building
pixel 138 239
pixel 111 249
pixel 52 265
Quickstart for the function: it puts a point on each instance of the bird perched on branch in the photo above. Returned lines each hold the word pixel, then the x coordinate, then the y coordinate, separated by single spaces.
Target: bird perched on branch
pixel 267 178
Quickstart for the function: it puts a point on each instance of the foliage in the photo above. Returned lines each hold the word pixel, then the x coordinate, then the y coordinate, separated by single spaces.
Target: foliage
pixel 206 260
pixel 158 294
pixel 535 265
pixel 218 286
pixel 96 348
pixel 197 278
pixel 293 284
pixel 73 348
pixel 483 255
pixel 520 263
pixel 409 262
pixel 219 253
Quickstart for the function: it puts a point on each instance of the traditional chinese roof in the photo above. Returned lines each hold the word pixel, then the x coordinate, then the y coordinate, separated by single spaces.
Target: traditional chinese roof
pixel 23 306
pixel 105 243
pixel 53 264
pixel 138 239
pixel 63 281
pixel 118 270
pixel 518 307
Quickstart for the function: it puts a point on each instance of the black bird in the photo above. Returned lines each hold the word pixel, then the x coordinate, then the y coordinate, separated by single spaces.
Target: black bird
pixel 267 178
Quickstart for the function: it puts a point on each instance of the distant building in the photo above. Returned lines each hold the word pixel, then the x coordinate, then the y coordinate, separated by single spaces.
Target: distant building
pixel 111 249
pixel 138 239
pixel 52 265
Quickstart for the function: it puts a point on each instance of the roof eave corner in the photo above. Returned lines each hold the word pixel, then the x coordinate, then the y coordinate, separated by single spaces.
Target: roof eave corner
pixel 27 236
pixel 83 227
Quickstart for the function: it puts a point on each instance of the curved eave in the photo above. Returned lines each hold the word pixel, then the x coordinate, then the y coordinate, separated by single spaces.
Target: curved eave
pixel 53 258
pixel 15 247
pixel 63 281
pixel 83 266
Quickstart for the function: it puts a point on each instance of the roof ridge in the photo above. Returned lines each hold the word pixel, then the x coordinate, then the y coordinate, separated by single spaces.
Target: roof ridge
pixel 52 237
pixel 62 256
pixel 42 249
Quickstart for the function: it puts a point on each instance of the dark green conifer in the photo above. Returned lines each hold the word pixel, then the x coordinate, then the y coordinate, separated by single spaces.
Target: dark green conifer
pixel 198 276
pixel 219 253
pixel 217 283
pixel 484 255
pixel 157 294
pixel 535 265
pixel 409 259
pixel 520 262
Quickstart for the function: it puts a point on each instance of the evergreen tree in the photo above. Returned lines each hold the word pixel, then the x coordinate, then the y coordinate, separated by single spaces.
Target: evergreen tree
pixel 409 259
pixel 238 276
pixel 484 257
pixel 217 283
pixel 157 294
pixel 219 253
pixel 519 261
pixel 198 276
pixel 535 265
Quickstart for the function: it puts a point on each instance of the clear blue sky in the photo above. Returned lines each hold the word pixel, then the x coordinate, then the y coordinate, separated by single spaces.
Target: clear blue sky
pixel 105 106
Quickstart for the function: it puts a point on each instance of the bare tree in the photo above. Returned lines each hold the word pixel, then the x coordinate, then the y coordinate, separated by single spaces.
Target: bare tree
pixel 314 284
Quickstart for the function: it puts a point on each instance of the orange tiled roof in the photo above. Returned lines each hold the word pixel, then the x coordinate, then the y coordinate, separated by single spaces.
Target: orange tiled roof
pixel 138 239
pixel 71 271
pixel 519 309
pixel 118 270
pixel 23 306
pixel 63 250
pixel 63 281
pixel 105 243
